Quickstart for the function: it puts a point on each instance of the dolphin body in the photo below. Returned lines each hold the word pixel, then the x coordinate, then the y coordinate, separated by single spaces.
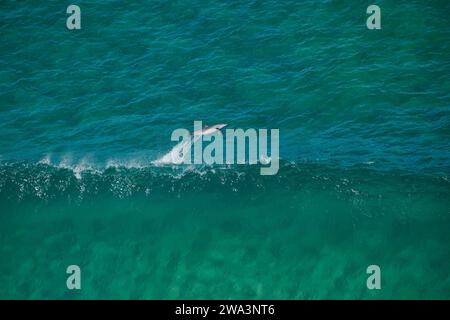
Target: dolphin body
pixel 209 130
pixel 183 148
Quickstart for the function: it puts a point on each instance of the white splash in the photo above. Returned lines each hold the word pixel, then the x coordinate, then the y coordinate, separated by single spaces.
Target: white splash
pixel 181 153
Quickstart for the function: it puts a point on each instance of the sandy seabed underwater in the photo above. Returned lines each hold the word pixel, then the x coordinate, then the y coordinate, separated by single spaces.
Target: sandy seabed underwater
pixel 364 123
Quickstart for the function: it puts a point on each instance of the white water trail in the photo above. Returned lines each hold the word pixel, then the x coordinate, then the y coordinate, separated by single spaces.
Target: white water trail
pixel 181 153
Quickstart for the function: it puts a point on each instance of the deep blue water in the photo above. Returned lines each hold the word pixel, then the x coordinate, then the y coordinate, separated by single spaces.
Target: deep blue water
pixel 364 124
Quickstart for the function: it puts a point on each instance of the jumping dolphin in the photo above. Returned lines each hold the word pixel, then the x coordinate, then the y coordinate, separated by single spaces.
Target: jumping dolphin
pixel 209 130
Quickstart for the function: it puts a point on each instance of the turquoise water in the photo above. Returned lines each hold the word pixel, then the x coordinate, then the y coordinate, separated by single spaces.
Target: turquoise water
pixel 364 125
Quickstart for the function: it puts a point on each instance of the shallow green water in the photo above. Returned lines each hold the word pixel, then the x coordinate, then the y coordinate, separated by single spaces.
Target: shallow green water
pixel 309 232
pixel 364 140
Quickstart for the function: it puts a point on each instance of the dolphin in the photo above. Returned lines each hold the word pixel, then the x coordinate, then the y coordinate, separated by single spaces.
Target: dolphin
pixel 209 130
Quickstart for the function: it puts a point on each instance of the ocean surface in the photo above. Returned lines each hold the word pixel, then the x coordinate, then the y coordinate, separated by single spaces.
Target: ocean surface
pixel 364 120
